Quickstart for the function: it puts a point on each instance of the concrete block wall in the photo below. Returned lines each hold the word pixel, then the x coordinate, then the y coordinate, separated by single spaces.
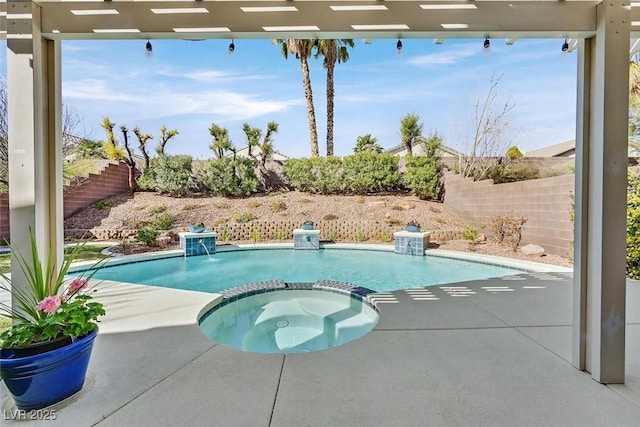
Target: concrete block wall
pixel 544 202
pixel 112 180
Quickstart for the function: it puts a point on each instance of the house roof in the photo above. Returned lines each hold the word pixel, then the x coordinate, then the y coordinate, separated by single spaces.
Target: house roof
pixel 555 150
pixel 399 148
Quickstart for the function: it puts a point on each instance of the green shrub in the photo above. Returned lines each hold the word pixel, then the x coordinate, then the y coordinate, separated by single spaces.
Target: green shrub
pixel 281 234
pixel 229 177
pixel 385 236
pixel 255 236
pixel 157 209
pixel 315 175
pixel 514 172
pixel 633 227
pixel 241 217
pixel 168 174
pixel 358 236
pixel 148 236
pixel 334 236
pixel 164 221
pixel 103 204
pixel 329 217
pixel 368 172
pixel 224 235
pixel 514 152
pixel 424 177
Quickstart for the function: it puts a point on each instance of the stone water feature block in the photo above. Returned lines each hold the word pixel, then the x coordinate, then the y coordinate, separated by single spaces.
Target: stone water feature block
pixel 306 239
pixel 411 243
pixel 192 243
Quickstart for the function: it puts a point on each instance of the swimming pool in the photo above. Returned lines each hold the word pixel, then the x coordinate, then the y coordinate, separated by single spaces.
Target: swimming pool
pixel 380 271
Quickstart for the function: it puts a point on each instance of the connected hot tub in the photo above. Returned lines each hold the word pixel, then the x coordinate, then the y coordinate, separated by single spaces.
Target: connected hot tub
pixel 290 318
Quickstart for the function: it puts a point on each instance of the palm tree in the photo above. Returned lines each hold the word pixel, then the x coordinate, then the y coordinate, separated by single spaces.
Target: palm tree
pixel 367 143
pixel 410 130
pixel 302 50
pixel 334 52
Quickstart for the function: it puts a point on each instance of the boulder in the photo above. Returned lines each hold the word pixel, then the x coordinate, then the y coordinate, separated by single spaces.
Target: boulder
pixel 532 250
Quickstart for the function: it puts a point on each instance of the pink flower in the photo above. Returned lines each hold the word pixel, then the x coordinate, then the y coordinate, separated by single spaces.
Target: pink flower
pixel 76 285
pixel 49 304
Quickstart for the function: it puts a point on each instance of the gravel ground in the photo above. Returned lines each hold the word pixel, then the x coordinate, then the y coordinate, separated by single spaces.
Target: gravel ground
pixel 134 211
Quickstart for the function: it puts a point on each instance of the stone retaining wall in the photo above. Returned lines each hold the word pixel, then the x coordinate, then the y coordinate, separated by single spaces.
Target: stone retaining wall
pixel 343 231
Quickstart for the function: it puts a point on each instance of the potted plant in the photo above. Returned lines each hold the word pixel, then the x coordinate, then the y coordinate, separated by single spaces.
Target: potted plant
pixel 45 354
pixel 307 225
pixel 198 227
pixel 412 226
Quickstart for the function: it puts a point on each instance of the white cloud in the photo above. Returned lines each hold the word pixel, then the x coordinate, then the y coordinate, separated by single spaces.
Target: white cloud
pixel 449 56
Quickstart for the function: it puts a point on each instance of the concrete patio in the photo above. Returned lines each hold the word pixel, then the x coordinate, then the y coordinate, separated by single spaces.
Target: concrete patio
pixel 483 353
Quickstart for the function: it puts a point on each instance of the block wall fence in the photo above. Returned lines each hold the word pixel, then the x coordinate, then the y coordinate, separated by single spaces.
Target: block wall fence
pixel 112 180
pixel 544 202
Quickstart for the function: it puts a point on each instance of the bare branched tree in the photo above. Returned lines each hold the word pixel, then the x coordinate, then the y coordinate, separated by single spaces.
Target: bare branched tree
pixel 490 135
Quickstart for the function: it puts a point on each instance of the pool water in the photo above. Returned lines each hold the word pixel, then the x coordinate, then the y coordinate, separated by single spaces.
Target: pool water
pixel 289 321
pixel 380 271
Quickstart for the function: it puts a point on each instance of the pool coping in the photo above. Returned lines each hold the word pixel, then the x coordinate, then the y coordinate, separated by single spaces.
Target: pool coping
pixel 496 261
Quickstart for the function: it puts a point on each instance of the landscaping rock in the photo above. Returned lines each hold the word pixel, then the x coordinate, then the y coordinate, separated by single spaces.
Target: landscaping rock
pixel 532 250
pixel 406 205
pixel 376 204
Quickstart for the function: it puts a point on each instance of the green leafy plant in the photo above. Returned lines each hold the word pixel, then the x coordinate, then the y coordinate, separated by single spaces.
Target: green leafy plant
pixel 52 305
pixel 168 174
pixel 164 221
pixel 148 235
pixel 334 236
pixel 255 236
pixel 471 234
pixel 358 236
pixel 224 235
pixel 385 236
pixel 103 204
pixel 281 234
pixel 157 209
pixel 242 217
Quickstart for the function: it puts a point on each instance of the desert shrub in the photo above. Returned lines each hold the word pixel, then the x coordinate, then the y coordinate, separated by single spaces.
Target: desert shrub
pixel 164 221
pixel 253 204
pixel 633 227
pixel 255 236
pixel 368 171
pixel 508 227
pixel 157 209
pixel 224 235
pixel 281 234
pixel 148 236
pixel 424 177
pixel 334 236
pixel 168 174
pixel 229 177
pixel 471 234
pixel 315 175
pixel 329 217
pixel 514 152
pixel 241 217
pixel 103 204
pixel 385 236
pixel 191 206
pixel 278 206
pixel 358 236
pixel 514 172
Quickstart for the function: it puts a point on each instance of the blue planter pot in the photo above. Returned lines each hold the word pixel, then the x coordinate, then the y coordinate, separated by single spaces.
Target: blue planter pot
pixel 193 229
pixel 412 228
pixel 41 380
pixel 307 226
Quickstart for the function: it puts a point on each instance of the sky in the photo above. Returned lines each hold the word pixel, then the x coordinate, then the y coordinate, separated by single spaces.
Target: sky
pixel 188 85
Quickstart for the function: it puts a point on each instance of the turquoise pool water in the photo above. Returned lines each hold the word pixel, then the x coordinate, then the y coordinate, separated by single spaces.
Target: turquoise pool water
pixel 290 321
pixel 377 270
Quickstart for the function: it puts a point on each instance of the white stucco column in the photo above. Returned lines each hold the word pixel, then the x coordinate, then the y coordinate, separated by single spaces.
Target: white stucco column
pixel 35 149
pixel 601 180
